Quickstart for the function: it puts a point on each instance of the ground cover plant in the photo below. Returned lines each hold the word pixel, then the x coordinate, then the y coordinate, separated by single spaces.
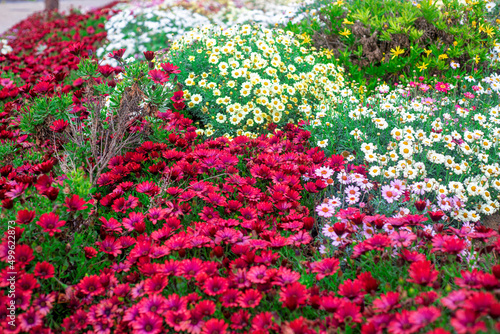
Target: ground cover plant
pixel 396 40
pixel 121 213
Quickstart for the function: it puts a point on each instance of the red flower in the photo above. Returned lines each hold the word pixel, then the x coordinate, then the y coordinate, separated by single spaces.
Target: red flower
pixel 170 69
pixel 149 55
pixel 110 246
pixel 158 76
pixel 250 298
pixel 50 223
pixel 106 70
pixel 117 54
pixel 90 252
pixel 178 97
pixel 214 326
pixel 326 267
pixel 402 324
pixel 215 286
pixel 293 295
pixel 43 87
pixel 348 312
pixel 436 215
pixel 24 255
pixel 466 321
pixel 75 203
pixel 422 273
pixel 44 270
pixel 25 216
pixel 91 285
pixel 148 323
pixel 59 125
pixel 420 205
pixel 155 284
pixel 147 187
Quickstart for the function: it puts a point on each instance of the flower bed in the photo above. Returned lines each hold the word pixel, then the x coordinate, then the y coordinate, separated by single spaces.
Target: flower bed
pixel 123 215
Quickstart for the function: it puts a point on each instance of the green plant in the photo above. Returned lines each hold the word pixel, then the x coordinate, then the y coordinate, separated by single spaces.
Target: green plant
pixel 396 40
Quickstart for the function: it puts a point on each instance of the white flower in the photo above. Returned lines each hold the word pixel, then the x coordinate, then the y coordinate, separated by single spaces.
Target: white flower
pixel 323 143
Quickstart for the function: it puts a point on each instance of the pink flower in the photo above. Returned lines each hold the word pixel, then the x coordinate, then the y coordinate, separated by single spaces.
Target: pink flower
pixel 390 194
pixel 158 76
pixel 50 223
pixel 442 87
pixel 75 203
pixel 325 210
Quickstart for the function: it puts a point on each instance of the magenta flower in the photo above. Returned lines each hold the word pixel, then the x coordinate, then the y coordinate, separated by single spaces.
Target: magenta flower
pixel 170 69
pixel 59 125
pixel 158 76
pixel 75 203
pixel 325 267
pixel 50 223
pixel 44 270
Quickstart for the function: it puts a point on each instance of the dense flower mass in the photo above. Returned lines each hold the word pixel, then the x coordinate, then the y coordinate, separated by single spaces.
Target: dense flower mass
pixel 266 76
pixel 340 212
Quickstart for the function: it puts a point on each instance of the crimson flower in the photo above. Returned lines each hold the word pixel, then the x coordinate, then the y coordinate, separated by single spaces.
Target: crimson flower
pixel 158 76
pixel 43 87
pixel 250 298
pixel 106 70
pixel 75 203
pixel 149 55
pixel 117 54
pixel 29 320
pixel 170 69
pixel 59 125
pixel 422 273
pixel 436 215
pixel 214 326
pixel 44 270
pixel 147 187
pixel 25 216
pixel 178 96
pixel 110 246
pixel 24 255
pixel 89 252
pixel 215 286
pixel 293 295
pixel 50 223
pixel 325 267
pixel 420 205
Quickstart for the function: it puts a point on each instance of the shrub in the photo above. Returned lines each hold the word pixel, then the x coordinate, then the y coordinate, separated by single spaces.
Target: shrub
pixel 393 39
pixel 241 79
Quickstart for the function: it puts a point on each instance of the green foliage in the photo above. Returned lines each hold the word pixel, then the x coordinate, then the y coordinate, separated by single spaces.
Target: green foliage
pixel 395 40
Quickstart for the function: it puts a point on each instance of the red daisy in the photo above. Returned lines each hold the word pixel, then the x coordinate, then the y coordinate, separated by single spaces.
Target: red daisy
pixel 75 203
pixel 148 323
pixel 50 223
pixel 214 326
pixel 326 267
pixel 44 270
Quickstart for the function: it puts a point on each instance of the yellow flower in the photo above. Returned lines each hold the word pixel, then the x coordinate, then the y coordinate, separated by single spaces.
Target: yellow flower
pixel 396 52
pixel 489 31
pixel 443 56
pixel 428 52
pixel 423 66
pixel 346 21
pixel 307 39
pixel 476 58
pixel 345 32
